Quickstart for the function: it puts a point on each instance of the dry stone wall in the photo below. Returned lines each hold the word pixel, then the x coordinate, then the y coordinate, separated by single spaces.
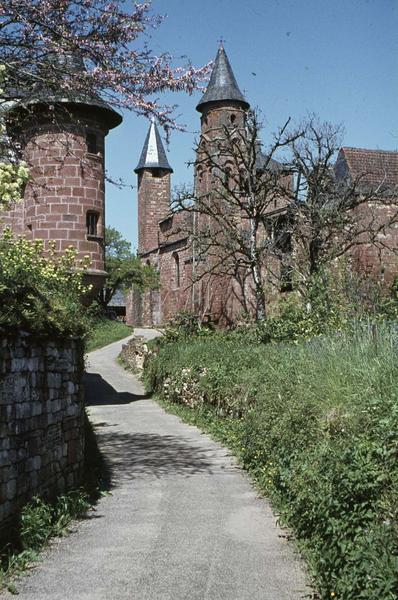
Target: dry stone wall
pixel 41 420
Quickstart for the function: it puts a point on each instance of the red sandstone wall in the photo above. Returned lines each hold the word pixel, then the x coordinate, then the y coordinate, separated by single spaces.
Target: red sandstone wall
pixel 66 182
pixel 377 258
pixel 153 206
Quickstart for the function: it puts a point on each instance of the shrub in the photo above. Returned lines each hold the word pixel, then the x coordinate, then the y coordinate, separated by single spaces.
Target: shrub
pixel 184 325
pixel 40 292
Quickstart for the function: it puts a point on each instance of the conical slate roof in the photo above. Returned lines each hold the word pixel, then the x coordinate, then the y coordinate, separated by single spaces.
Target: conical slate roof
pixel 222 85
pixel 153 155
pixel 62 68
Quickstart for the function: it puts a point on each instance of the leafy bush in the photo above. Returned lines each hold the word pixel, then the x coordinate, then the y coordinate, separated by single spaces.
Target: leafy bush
pixel 318 429
pixel 40 292
pixel 184 325
pixel 322 308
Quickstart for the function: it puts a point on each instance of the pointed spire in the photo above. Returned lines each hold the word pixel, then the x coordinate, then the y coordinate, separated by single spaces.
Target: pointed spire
pixel 222 85
pixel 153 155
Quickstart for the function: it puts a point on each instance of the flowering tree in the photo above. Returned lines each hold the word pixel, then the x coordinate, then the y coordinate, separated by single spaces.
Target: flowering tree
pixel 110 37
pixel 12 176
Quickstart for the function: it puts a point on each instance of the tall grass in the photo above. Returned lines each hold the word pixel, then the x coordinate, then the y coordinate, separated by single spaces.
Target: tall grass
pixel 316 424
pixel 104 331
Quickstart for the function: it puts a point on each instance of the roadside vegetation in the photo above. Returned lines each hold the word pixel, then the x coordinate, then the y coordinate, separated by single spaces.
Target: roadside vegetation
pixel 38 523
pixel 313 417
pixel 41 520
pixel 104 331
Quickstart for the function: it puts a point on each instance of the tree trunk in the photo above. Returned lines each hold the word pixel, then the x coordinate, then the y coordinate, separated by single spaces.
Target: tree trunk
pixel 256 272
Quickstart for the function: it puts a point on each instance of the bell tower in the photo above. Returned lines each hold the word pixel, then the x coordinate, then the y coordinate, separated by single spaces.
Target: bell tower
pixel 154 179
pixel 222 105
pixel 223 108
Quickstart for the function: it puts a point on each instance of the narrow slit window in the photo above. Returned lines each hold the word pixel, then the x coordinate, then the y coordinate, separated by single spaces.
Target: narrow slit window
pixel 92 219
pixel 176 270
pixel 91 141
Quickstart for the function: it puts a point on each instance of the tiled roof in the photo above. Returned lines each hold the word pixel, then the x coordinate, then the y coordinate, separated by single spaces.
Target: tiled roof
pixel 374 167
pixel 153 155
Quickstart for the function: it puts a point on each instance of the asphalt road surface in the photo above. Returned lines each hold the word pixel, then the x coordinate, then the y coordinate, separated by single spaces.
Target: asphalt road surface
pixel 182 522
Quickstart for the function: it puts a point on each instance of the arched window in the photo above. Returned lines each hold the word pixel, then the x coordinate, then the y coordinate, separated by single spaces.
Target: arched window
pixel 176 260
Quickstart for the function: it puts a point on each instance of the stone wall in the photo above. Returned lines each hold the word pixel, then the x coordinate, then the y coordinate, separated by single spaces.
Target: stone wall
pixel 41 420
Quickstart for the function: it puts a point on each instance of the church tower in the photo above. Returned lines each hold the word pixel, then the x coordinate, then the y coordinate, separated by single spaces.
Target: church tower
pixel 222 105
pixel 154 180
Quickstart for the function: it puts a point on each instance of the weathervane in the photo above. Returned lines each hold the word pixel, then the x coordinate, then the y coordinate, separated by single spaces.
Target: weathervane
pixel 221 41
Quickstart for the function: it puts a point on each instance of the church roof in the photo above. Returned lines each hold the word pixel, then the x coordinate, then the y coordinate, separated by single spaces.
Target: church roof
pixel 153 155
pixel 222 85
pixel 373 167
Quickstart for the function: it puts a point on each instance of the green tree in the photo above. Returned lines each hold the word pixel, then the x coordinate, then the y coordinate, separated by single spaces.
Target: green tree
pixel 124 268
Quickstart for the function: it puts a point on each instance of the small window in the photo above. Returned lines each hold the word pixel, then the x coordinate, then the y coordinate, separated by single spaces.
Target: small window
pixel 176 270
pixel 232 118
pixel 286 279
pixel 227 176
pixel 92 219
pixel 91 141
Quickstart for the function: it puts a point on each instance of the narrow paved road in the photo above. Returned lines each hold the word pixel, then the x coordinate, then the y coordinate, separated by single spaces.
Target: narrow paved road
pixel 182 521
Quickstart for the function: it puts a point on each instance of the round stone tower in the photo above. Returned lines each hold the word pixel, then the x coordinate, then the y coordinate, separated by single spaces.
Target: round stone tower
pixel 154 196
pixel 63 142
pixel 222 105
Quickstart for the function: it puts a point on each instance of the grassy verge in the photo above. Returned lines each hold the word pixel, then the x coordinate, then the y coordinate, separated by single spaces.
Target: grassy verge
pixel 39 522
pixel 316 424
pixel 105 331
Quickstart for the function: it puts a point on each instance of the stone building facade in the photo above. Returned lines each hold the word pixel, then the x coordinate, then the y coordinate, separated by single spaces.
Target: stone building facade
pixel 380 167
pixel 164 239
pixel 63 143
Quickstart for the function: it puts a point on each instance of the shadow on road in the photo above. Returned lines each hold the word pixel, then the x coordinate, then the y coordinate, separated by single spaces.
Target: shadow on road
pixel 134 455
pixel 99 392
pixel 127 456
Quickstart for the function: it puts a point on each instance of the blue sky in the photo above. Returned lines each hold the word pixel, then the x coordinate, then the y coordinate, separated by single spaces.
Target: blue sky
pixel 338 59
